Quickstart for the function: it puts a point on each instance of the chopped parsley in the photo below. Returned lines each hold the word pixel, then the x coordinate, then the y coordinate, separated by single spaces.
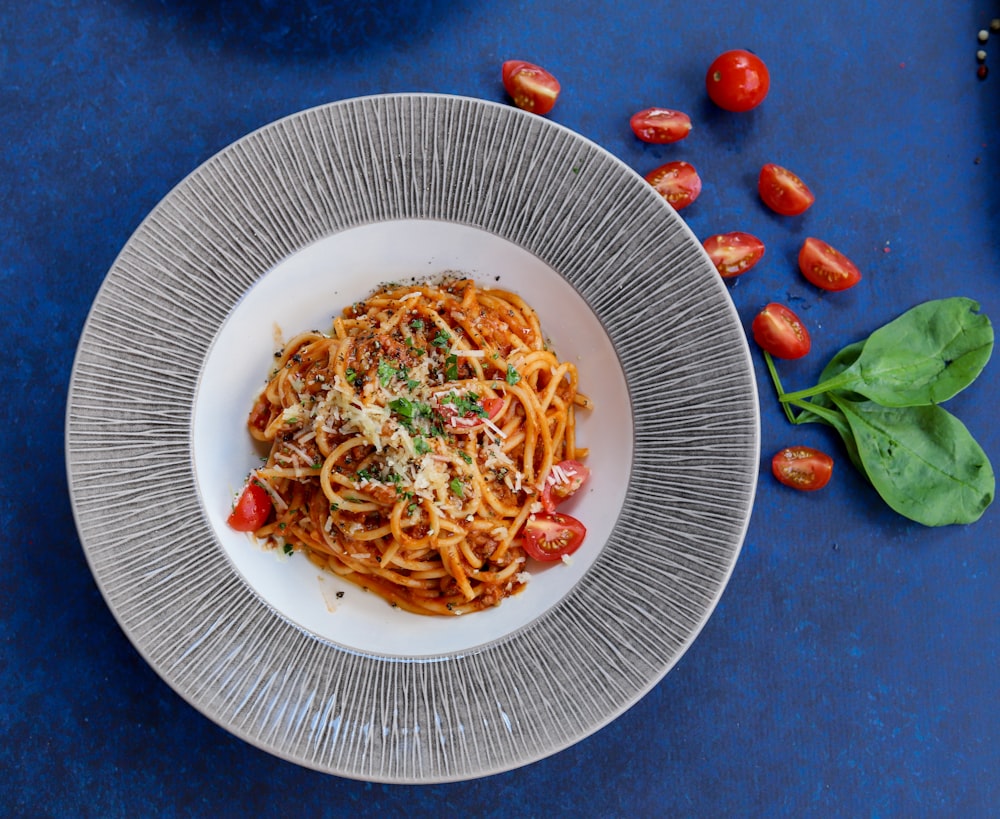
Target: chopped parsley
pixel 351 374
pixel 513 376
pixel 417 324
pixel 441 339
pixel 386 372
pixel 456 487
pixel 465 405
pixel 451 368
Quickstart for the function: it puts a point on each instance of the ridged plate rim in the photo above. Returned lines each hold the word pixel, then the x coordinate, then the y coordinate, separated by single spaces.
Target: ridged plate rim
pixel 355 162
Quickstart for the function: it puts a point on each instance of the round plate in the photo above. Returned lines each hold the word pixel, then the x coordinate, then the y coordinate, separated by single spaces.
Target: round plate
pixel 531 678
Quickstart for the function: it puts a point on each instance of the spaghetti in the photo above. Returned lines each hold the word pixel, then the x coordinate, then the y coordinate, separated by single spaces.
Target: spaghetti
pixel 419 449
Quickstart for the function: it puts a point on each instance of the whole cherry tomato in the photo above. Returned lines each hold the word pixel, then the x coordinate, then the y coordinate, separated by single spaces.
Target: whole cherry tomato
pixel 660 125
pixel 779 331
pixel 783 192
pixel 530 86
pixel 802 467
pixel 734 253
pixel 737 80
pixel 826 266
pixel 677 182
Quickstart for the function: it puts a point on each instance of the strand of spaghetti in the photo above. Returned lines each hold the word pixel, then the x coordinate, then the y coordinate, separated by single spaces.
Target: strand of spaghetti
pixel 528 315
pixel 334 497
pixel 536 427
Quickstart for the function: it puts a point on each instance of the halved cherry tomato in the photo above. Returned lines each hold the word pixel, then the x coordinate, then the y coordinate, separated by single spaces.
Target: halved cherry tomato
pixel 677 182
pixel 737 80
pixel 779 331
pixel 564 479
pixel 549 536
pixel 802 467
pixel 826 266
pixel 734 253
pixel 530 86
pixel 660 125
pixel 783 191
pixel 251 510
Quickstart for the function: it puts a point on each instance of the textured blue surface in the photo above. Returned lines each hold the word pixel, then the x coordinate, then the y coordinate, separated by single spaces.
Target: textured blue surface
pixel 851 668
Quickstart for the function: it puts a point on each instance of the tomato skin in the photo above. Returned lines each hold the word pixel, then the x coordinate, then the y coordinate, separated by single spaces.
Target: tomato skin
pixel 469 420
pixel 802 467
pixel 737 80
pixel 530 86
pixel 251 510
pixel 548 536
pixel 783 191
pixel 779 331
pixel 826 267
pixel 660 126
pixel 734 253
pixel 554 493
pixel 677 182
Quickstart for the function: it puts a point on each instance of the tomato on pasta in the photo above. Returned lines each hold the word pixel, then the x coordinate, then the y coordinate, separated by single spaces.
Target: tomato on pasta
pixel 413 447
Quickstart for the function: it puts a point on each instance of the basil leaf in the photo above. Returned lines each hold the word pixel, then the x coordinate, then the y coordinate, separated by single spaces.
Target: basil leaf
pixel 922 461
pixel 925 356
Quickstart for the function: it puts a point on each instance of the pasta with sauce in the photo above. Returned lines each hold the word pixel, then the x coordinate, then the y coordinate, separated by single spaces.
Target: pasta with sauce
pixel 420 448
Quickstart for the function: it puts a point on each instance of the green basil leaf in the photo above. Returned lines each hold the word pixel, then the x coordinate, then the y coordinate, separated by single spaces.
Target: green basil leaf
pixel 922 461
pixel 925 356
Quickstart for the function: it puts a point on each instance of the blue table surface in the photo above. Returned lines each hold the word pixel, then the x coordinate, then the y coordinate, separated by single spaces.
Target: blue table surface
pixel 851 667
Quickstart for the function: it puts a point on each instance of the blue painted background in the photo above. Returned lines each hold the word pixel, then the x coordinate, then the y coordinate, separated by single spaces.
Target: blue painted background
pixel 851 668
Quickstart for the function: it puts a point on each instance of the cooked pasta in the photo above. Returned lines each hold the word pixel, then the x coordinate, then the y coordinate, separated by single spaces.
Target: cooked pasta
pixel 412 445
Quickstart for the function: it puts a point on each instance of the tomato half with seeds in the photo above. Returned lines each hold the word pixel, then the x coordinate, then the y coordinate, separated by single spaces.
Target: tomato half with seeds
pixel 677 182
pixel 737 80
pixel 251 510
pixel 660 125
pixel 530 86
pixel 550 535
pixel 779 331
pixel 827 267
pixel 564 479
pixel 734 253
pixel 783 191
pixel 802 467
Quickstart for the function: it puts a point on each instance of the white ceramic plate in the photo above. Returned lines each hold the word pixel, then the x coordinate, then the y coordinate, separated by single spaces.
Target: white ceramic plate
pixel 286 227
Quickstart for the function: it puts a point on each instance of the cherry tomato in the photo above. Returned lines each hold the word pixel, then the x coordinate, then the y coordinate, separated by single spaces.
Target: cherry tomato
pixel 783 192
pixel 530 86
pixel 660 125
pixel 677 182
pixel 802 467
pixel 737 80
pixel 470 419
pixel 251 510
pixel 734 253
pixel 564 479
pixel 779 331
pixel 826 266
pixel 549 536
